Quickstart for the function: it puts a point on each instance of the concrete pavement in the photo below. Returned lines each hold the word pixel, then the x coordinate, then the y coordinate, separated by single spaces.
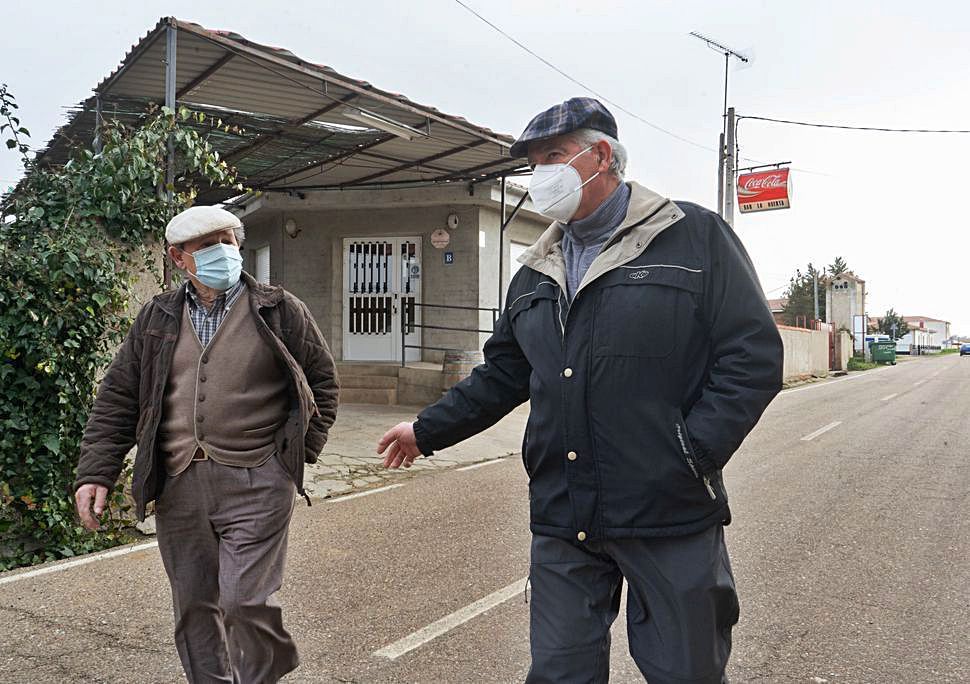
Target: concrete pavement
pixel 850 551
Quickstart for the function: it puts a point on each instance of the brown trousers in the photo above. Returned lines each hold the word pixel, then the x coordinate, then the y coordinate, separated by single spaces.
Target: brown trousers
pixel 222 534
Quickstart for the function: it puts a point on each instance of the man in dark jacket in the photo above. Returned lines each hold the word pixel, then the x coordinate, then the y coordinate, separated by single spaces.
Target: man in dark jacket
pixel 227 387
pixel 639 331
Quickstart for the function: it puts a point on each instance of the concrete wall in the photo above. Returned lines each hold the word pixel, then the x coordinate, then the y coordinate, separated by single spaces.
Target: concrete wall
pixel 806 352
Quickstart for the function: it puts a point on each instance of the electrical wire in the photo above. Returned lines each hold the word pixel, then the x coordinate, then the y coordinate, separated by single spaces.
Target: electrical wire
pixel 589 89
pixel 846 127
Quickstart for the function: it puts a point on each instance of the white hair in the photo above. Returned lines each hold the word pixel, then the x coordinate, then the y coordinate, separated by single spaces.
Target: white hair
pixel 589 136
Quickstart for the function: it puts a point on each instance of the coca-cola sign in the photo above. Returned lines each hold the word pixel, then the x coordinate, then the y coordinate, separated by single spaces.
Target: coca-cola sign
pixel 764 191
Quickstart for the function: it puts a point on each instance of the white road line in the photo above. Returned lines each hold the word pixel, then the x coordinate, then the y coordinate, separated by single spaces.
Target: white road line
pixel 917 384
pixel 449 622
pixel 348 497
pixel 829 383
pixel 821 431
pixel 891 396
pixel 479 465
pixel 114 553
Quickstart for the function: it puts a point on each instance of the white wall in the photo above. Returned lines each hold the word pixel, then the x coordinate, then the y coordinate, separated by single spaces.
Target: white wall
pixel 806 352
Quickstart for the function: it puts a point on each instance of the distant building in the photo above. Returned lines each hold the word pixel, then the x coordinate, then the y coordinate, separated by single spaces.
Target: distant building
pixel 845 298
pixel 777 307
pixel 939 330
pixel 915 341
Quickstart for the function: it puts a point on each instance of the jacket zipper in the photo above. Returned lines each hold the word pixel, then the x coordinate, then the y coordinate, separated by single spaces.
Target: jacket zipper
pixel 689 458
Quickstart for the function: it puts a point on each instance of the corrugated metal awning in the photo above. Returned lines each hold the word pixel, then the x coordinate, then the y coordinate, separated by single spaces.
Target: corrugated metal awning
pixel 304 126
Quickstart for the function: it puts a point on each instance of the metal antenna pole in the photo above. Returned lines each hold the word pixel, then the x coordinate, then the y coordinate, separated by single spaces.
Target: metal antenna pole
pixel 720 174
pixel 724 189
pixel 730 169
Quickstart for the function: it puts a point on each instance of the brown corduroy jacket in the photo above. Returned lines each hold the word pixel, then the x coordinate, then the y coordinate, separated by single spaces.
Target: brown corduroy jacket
pixel 128 408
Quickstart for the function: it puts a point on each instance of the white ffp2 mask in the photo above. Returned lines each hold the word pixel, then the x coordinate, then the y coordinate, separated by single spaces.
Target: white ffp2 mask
pixel 557 189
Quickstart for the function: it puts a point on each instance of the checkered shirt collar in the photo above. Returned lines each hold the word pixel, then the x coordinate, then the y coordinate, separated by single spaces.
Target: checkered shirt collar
pixel 207 321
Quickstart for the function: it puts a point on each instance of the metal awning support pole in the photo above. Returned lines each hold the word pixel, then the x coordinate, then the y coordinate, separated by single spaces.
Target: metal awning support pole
pixel 505 224
pixel 98 120
pixel 501 249
pixel 170 51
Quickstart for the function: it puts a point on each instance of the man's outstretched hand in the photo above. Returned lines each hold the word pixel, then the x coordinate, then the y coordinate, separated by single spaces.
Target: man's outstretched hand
pixel 400 445
pixel 87 496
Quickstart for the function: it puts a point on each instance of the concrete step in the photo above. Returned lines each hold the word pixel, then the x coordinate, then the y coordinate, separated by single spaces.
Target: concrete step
pixel 348 381
pixel 356 395
pixel 365 368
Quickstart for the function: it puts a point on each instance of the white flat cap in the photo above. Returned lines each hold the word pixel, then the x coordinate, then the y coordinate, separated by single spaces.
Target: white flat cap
pixel 195 222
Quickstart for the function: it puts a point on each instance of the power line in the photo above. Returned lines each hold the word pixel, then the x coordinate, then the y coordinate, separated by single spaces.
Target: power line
pixel 587 88
pixel 855 128
pixel 609 101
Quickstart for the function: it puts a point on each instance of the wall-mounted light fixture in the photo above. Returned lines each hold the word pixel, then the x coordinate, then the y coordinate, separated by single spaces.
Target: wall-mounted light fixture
pixel 381 122
pixel 291 228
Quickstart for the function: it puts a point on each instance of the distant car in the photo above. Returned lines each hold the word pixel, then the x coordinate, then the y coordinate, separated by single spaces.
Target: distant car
pixel 965 350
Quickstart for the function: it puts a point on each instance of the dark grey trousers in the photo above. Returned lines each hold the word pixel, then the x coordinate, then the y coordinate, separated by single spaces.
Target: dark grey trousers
pixel 681 606
pixel 222 535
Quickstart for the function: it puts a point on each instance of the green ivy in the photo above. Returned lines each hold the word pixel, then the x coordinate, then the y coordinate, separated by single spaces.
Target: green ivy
pixel 72 240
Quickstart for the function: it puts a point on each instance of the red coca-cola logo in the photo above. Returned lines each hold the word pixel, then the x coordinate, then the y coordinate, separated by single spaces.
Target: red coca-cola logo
pixel 764 185
pixel 775 180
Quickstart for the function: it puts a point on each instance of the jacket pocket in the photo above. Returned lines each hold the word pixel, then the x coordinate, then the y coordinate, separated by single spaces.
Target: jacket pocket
pixel 265 431
pixel 644 310
pixel 690 457
pixel 525 453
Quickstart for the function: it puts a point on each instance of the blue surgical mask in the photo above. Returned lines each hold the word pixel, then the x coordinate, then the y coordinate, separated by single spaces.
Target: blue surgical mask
pixel 218 266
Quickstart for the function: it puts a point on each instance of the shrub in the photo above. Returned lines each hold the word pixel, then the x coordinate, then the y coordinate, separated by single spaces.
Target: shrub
pixel 72 240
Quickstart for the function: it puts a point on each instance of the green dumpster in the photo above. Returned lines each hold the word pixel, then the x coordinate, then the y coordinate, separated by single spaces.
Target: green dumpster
pixel 883 352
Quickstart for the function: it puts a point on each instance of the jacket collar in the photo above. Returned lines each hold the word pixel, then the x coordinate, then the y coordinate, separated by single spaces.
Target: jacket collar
pixel 263 296
pixel 648 215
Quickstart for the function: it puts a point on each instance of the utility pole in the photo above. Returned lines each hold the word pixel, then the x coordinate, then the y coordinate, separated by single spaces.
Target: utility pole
pixel 723 188
pixel 731 167
pixel 815 274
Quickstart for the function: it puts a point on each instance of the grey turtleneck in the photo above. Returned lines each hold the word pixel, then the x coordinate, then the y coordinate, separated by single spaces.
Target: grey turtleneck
pixel 582 240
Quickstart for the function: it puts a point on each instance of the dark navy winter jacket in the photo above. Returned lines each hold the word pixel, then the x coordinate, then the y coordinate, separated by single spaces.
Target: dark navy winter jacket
pixel 641 388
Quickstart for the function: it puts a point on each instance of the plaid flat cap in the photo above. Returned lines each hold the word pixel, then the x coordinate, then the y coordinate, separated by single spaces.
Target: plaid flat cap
pixel 578 112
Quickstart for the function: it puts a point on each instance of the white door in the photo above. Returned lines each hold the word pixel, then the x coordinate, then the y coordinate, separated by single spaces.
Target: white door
pixel 382 283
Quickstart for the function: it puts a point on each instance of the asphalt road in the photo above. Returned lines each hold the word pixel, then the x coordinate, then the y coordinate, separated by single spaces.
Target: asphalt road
pixel 851 552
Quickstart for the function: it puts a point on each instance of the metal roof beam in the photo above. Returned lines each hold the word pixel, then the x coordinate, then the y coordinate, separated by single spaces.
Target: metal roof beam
pixel 344 155
pixel 418 162
pixel 464 172
pixel 204 76
pixel 281 132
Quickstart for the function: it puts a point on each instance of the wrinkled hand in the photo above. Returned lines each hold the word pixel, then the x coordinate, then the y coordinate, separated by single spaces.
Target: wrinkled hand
pixel 86 496
pixel 401 446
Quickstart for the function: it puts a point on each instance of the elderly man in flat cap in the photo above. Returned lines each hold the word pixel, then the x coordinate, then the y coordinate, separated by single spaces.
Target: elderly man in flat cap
pixel 639 332
pixel 227 387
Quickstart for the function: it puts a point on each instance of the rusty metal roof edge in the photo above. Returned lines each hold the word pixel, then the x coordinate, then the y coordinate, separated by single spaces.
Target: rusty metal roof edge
pixel 328 74
pixel 134 52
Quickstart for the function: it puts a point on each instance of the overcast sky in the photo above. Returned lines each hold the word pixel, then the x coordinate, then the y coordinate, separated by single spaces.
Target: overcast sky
pixel 890 204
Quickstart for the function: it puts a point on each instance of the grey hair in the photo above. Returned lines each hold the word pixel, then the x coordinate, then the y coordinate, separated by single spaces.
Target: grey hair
pixel 588 136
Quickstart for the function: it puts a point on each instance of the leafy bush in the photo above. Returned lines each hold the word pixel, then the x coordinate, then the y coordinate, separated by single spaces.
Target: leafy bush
pixel 859 364
pixel 72 241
